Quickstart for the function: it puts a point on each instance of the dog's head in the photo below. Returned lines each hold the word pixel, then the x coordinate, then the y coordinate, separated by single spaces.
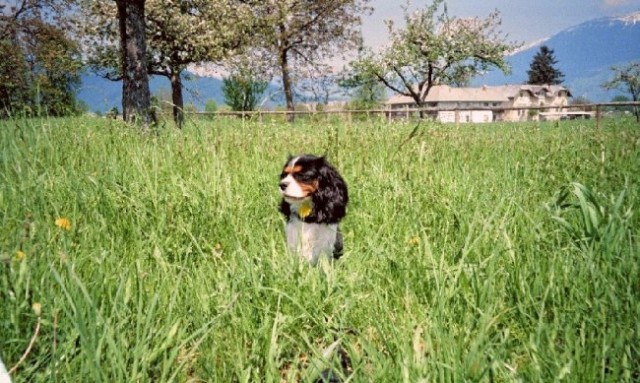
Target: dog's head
pixel 300 177
pixel 307 178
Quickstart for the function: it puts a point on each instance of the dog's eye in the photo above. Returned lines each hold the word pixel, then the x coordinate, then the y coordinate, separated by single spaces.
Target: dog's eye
pixel 305 176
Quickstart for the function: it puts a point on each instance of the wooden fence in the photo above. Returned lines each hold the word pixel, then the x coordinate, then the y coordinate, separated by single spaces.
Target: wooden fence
pixel 589 111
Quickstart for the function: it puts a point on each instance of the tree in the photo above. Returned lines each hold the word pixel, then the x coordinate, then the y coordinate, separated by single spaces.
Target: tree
pixel 365 90
pixel 627 78
pixel 14 79
pixel 55 65
pixel 178 33
pixel 210 106
pixel 301 34
pixel 40 66
pixel 242 92
pixel 136 97
pixel 542 68
pixel 435 48
pixel 317 86
pixel 184 33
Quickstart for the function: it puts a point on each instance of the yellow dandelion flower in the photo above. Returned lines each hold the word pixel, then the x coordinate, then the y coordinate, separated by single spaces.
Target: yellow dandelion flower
pixel 20 255
pixel 63 223
pixel 217 250
pixel 415 240
pixel 37 308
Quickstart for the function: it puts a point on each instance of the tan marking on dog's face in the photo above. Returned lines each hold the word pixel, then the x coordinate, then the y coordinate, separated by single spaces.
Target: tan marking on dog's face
pixel 298 181
pixel 308 188
pixel 293 169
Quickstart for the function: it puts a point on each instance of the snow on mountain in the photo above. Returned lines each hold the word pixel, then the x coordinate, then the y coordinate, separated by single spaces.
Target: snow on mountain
pixel 632 18
pixel 525 47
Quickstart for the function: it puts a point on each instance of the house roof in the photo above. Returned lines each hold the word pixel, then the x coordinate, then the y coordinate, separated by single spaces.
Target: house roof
pixel 445 93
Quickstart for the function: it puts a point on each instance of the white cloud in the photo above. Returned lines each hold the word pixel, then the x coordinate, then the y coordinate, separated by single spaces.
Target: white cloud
pixel 619 3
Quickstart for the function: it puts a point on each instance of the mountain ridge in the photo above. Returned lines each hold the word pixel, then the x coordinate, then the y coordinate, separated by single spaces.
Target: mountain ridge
pixel 585 54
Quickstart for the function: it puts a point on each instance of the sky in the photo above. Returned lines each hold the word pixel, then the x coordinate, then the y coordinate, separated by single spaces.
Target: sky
pixel 524 21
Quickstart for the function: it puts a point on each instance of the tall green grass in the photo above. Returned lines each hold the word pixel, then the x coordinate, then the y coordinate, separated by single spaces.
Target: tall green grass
pixel 497 252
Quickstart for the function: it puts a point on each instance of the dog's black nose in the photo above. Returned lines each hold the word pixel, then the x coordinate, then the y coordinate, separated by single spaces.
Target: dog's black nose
pixel 283 185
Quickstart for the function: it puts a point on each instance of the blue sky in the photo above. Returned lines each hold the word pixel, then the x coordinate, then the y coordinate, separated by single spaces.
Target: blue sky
pixel 523 20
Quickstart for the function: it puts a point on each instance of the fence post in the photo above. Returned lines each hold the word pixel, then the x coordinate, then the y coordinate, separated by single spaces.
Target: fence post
pixel 456 114
pixel 598 117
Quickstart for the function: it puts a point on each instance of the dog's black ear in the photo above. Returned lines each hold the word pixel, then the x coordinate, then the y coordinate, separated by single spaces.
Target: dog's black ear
pixel 320 162
pixel 331 198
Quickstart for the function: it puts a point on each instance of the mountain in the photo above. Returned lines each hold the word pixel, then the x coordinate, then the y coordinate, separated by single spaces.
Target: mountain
pixel 585 54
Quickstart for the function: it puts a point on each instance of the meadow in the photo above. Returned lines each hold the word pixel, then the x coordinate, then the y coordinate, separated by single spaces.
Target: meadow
pixel 480 253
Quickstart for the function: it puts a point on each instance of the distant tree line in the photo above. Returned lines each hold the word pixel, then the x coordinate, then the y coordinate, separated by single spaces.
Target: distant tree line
pixel 40 64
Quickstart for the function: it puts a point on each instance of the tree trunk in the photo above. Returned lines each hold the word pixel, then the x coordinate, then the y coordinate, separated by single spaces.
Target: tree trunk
pixel 136 97
pixel 419 106
pixel 176 98
pixel 286 76
pixel 286 85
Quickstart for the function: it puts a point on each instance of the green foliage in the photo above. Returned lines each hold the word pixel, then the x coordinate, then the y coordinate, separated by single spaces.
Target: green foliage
pixel 40 70
pixel 211 106
pixel 620 98
pixel 174 267
pixel 14 79
pixel 242 92
pixel 113 113
pixel 366 91
pixel 543 69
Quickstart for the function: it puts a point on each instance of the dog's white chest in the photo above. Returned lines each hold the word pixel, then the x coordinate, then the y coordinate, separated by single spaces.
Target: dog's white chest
pixel 311 240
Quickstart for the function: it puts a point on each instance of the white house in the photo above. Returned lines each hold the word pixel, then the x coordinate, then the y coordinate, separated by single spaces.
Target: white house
pixel 487 103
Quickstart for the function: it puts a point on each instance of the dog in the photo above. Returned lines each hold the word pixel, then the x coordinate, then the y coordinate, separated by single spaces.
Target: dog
pixel 314 201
